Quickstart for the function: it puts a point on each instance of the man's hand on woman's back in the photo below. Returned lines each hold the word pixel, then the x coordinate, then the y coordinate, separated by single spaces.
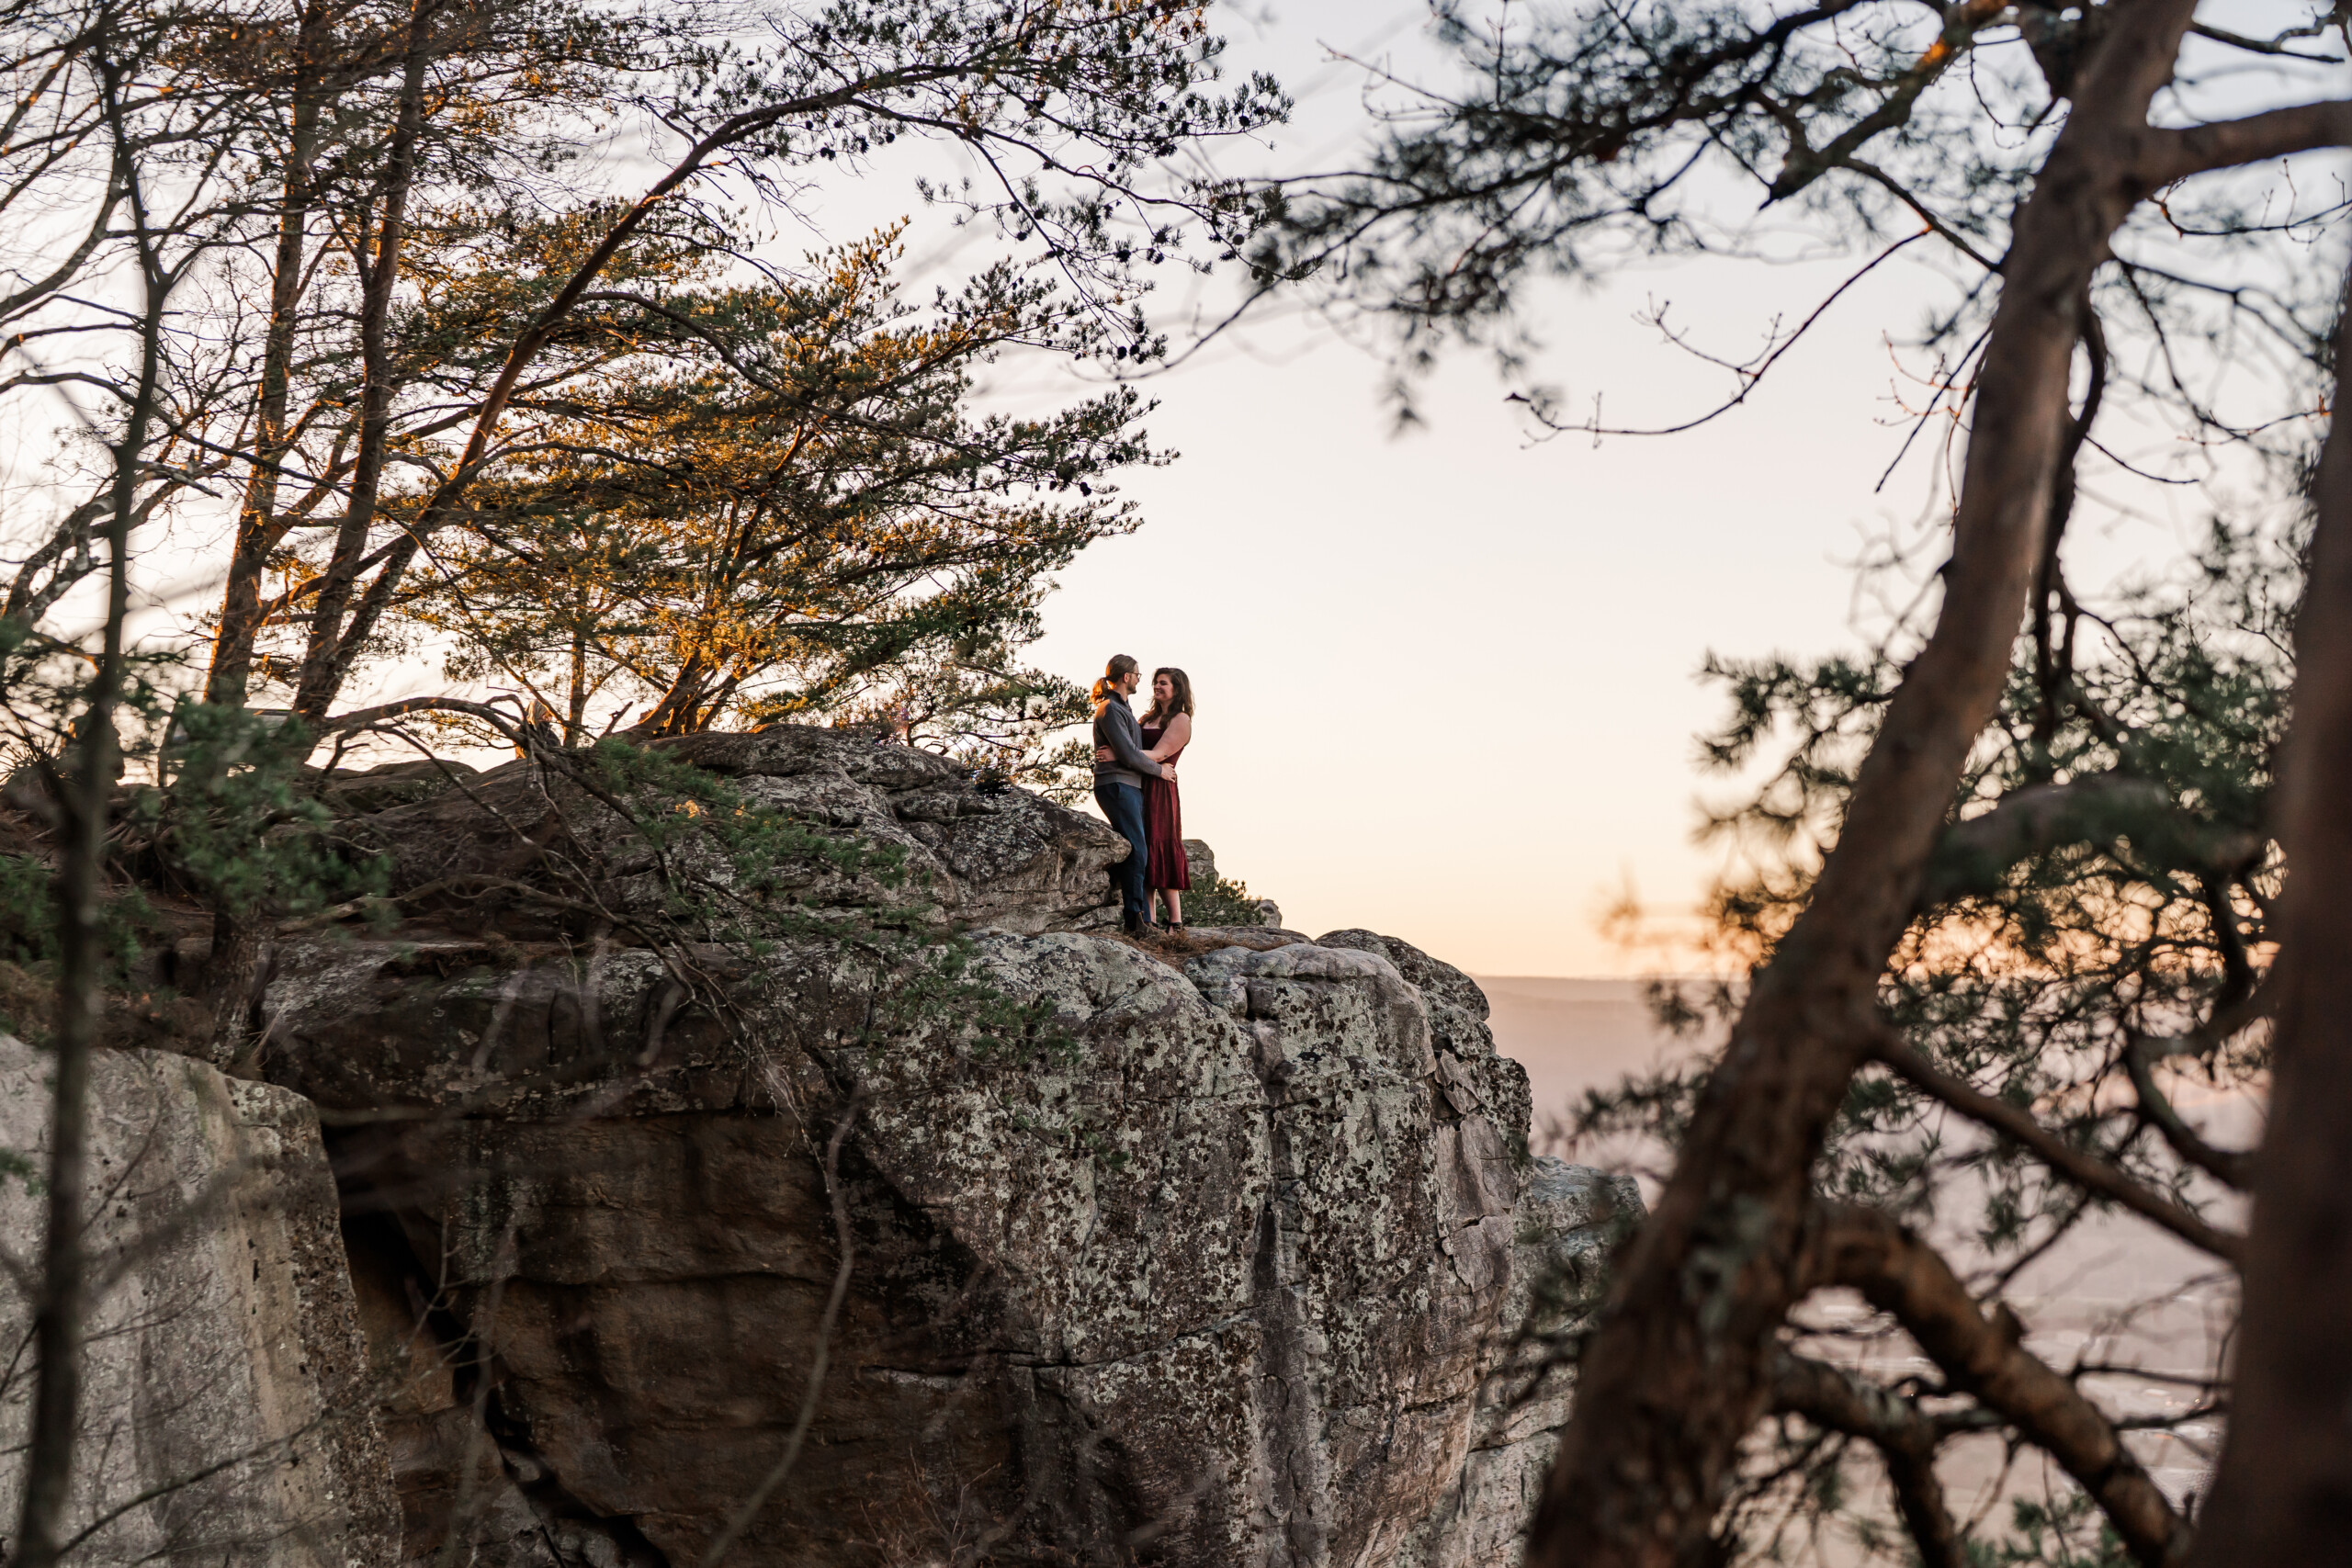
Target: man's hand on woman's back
pixel 1104 754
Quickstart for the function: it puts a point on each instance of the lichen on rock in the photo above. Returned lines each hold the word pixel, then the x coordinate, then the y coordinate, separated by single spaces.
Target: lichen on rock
pixel 1208 1258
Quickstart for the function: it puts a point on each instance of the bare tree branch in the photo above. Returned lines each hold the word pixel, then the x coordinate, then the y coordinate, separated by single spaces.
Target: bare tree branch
pixel 2275 46
pixel 2176 154
pixel 1980 1355
pixel 2085 1170
pixel 63 1301
pixel 1839 1401
pixel 1973 854
pixel 2233 1167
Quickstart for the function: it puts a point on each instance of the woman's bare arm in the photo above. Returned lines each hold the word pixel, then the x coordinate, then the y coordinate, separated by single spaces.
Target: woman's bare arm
pixel 1173 740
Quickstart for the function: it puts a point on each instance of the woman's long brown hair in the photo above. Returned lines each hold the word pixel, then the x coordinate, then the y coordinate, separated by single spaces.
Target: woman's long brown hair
pixel 1183 700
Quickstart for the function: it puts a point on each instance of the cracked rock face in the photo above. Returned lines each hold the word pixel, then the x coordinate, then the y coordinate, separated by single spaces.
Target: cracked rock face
pixel 1203 1265
pixel 226 1406
pixel 1568 1217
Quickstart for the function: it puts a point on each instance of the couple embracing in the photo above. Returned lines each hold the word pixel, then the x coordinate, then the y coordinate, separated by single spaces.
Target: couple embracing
pixel 1135 784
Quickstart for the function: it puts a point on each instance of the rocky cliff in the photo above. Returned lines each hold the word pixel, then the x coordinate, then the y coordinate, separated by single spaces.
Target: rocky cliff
pixel 225 1414
pixel 1062 1249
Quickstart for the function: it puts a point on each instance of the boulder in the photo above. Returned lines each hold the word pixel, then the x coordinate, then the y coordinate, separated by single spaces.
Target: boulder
pixel 354 792
pixel 1225 1257
pixel 1003 859
pixel 938 847
pixel 227 1411
pixel 1052 1247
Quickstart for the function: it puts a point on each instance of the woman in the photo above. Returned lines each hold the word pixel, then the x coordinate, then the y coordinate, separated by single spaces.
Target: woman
pixel 1166 730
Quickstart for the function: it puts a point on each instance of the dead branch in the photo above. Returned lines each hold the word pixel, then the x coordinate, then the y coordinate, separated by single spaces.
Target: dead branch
pixel 1980 1355
pixel 1839 1401
pixel 505 724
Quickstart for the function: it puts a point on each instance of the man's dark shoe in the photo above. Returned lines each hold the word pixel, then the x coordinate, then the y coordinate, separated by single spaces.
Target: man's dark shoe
pixel 1133 924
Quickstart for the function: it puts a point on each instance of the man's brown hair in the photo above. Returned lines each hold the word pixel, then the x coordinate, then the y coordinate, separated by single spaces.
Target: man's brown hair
pixel 1122 665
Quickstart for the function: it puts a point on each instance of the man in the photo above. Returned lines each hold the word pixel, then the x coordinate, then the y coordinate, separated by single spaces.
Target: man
pixel 1118 785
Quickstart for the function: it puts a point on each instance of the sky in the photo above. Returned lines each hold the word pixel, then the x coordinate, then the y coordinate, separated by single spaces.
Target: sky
pixel 1448 678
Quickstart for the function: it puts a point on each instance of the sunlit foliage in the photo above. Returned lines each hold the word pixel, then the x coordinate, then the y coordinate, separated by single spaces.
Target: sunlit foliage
pixel 780 503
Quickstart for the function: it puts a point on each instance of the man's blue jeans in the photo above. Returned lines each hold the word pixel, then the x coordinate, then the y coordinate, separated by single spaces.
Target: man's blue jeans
pixel 1123 804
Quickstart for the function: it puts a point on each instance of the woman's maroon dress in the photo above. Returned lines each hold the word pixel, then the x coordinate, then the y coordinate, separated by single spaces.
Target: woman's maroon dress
pixel 1163 825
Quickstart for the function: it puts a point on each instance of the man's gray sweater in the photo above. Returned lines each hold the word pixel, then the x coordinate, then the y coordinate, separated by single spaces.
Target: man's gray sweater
pixel 1115 727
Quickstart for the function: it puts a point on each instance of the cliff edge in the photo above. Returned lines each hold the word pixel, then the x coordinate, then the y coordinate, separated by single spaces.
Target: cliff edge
pixel 932 1223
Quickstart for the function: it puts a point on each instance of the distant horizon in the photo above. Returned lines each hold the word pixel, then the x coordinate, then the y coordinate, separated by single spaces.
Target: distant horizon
pixel 1610 979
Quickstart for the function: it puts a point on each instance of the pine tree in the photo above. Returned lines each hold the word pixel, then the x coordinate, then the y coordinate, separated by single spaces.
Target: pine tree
pixel 781 504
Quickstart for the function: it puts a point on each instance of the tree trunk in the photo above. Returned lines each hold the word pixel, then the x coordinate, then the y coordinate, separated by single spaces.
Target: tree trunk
pixel 258 530
pixel 2283 1491
pixel 62 1298
pixel 235 976
pixel 676 711
pixel 331 646
pixel 1680 1367
pixel 1979 1354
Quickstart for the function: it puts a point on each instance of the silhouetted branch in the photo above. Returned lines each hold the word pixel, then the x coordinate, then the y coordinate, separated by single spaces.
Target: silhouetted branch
pixel 2085 1170
pixel 1980 1355
pixel 60 1307
pixel 2235 1168
pixel 1839 1401
pixel 1751 375
pixel 1973 854
pixel 2222 144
